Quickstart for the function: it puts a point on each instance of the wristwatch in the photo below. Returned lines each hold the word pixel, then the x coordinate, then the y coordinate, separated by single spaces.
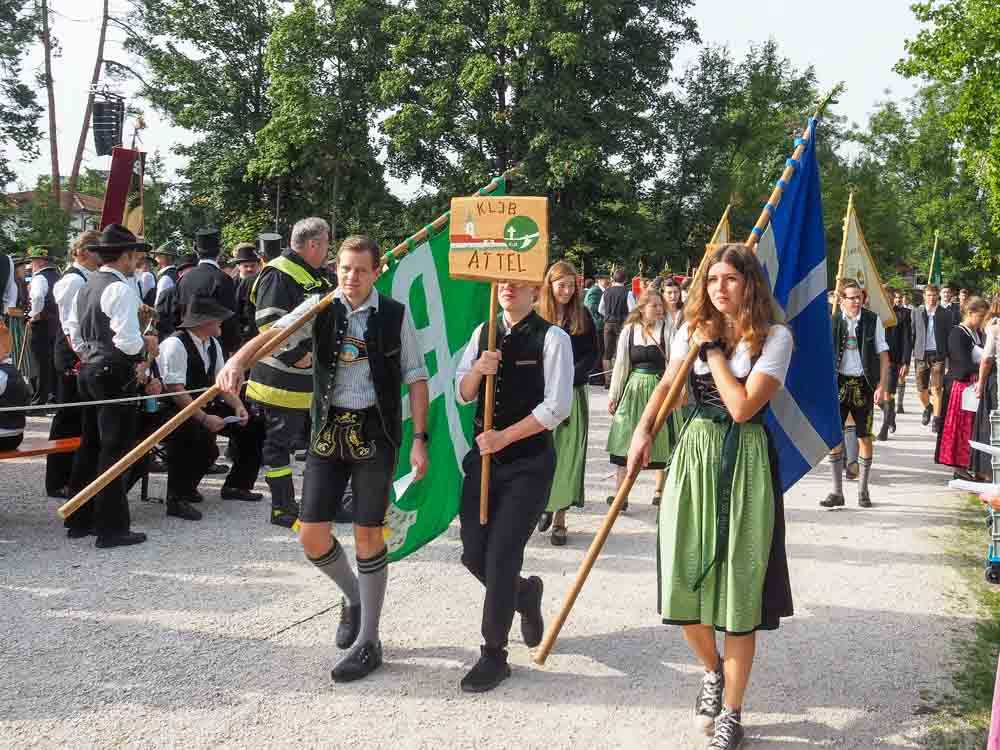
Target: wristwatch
pixel 422 436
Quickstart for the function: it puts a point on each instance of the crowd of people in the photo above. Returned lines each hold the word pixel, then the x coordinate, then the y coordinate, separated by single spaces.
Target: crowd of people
pixel 105 330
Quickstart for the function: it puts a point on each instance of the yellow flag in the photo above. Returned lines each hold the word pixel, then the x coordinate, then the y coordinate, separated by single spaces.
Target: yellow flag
pixel 856 263
pixel 722 232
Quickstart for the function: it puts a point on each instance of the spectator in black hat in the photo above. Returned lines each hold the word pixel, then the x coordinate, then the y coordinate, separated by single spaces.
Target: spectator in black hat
pixel 249 268
pixel 209 280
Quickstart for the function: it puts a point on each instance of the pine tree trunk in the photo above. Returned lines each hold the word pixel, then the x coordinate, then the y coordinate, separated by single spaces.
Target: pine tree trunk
pixel 53 143
pixel 74 175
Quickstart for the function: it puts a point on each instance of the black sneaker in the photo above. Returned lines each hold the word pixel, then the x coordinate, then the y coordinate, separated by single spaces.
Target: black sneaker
pixel 350 624
pixel 180 507
pixel 217 468
pixel 490 671
pixel 532 624
pixel 864 499
pixel 728 732
pixel 359 663
pixel 926 418
pixel 708 704
pixel 544 521
pixel 833 500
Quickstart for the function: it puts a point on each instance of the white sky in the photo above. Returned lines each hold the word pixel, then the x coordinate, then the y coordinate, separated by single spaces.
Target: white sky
pixel 857 41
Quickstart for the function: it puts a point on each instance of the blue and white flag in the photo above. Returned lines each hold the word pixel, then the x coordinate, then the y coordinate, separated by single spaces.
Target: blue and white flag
pixel 804 417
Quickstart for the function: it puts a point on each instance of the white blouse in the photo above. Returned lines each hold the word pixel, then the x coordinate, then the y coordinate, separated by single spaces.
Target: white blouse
pixel 773 360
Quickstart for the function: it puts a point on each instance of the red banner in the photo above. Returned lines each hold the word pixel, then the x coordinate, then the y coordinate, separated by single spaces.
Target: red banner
pixel 123 197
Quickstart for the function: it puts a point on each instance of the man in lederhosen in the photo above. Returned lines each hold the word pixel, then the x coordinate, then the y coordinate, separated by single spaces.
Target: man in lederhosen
pixel 365 350
pixel 932 323
pixel 43 320
pixel 105 333
pixel 534 392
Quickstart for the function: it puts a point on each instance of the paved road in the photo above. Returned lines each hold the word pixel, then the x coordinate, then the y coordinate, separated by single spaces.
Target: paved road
pixel 218 634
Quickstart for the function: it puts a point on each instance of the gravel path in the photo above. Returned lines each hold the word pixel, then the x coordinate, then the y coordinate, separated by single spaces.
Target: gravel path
pixel 218 634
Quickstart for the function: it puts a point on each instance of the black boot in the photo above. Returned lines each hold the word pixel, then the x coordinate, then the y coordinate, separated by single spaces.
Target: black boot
pixel 490 671
pixel 350 624
pixel 530 607
pixel 928 413
pixel 890 415
pixel 883 433
pixel 284 511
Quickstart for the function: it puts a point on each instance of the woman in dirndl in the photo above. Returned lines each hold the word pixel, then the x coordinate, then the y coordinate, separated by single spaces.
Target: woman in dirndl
pixel 980 464
pixel 965 353
pixel 560 303
pixel 640 361
pixel 721 545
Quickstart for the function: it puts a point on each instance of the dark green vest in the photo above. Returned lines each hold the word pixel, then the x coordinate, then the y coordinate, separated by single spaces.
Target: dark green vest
pixel 383 341
pixel 866 344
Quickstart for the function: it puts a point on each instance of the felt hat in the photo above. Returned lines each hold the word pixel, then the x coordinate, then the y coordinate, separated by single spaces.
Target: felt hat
pixel 246 253
pixel 204 310
pixel 187 261
pixel 269 245
pixel 38 252
pixel 116 238
pixel 168 248
pixel 207 242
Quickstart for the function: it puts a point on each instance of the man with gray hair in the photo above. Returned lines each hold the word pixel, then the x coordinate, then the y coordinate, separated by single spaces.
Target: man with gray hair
pixel 282 382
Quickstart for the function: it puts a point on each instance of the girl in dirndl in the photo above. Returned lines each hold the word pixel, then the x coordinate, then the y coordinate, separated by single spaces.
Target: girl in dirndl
pixel 639 364
pixel 560 303
pixel 980 464
pixel 721 561
pixel 965 353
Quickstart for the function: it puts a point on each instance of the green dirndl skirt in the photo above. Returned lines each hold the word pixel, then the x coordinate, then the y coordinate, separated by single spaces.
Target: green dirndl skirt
pixel 729 594
pixel 638 391
pixel 570 440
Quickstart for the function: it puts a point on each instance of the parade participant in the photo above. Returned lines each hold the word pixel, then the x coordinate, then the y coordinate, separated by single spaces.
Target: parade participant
pixel 8 284
pixel 714 574
pixel 904 317
pixel 613 308
pixel 673 308
pixel 931 326
pixel 166 278
pixel 963 295
pixel 104 331
pixel 43 319
pixel 190 359
pixel 145 280
pixel 950 304
pixel 167 305
pixel 900 340
pixel 965 354
pixel 534 372
pixel 282 382
pixel 249 268
pixel 980 464
pixel 68 422
pixel 209 280
pixel 14 391
pixel 642 355
pixel 592 301
pixel 560 304
pixel 861 358
pixel 230 268
pixel 365 349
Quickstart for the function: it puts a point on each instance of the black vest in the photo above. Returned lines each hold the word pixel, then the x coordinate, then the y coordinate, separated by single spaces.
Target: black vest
pixel 50 310
pixel 95 326
pixel 865 332
pixel 520 382
pixel 170 272
pixel 616 303
pixel 384 344
pixel 65 357
pixel 197 376
pixel 16 394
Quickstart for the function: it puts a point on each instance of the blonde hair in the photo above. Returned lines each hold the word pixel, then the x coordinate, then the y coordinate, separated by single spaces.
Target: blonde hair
pixel 90 237
pixel 574 318
pixel 648 295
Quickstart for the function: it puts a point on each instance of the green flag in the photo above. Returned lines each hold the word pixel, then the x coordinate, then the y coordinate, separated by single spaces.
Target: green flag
pixel 445 312
pixel 934 274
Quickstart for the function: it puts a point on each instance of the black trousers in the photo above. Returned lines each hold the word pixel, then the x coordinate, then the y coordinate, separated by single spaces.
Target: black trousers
pixel 66 423
pixel 109 432
pixel 42 351
pixel 494 553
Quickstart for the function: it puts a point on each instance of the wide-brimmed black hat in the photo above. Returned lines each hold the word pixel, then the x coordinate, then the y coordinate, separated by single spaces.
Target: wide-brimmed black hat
pixel 187 261
pixel 269 245
pixel 117 239
pixel 207 242
pixel 204 310
pixel 246 253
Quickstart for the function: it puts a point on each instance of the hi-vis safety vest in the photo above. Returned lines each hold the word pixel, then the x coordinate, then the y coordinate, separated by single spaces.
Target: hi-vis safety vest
pixel 274 382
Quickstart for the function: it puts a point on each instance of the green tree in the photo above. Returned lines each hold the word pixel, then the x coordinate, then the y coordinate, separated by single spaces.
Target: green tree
pixel 19 108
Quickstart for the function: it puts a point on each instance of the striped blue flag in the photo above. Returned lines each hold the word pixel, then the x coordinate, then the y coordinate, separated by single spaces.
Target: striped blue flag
pixel 804 417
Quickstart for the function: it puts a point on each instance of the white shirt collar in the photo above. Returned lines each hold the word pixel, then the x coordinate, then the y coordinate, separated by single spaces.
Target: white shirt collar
pixel 115 271
pixel 209 261
pixel 85 271
pixel 371 301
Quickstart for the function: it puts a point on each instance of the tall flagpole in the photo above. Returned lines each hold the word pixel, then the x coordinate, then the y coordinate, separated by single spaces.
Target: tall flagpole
pixel 670 400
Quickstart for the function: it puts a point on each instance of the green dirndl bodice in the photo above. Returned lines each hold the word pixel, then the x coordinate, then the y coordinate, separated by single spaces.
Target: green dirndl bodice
pixel 570 440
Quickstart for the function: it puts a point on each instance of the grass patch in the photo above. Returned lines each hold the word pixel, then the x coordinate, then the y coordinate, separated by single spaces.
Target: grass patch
pixel 962 717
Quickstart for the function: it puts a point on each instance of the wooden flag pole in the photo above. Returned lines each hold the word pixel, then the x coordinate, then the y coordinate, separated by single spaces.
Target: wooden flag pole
pixel 267 346
pixel 663 410
pixel 837 282
pixel 488 406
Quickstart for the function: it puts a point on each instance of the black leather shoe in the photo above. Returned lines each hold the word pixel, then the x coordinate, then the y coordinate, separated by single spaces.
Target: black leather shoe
pixel 359 663
pixel 926 418
pixel 350 624
pixel 833 500
pixel 124 539
pixel 936 425
pixel 180 507
pixel 217 469
pixel 234 493
pixel 284 517
pixel 490 671
pixel 80 533
pixel 544 521
pixel 532 624
pixel 864 500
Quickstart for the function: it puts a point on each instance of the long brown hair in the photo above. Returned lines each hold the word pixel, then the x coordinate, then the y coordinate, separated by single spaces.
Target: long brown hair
pixel 756 315
pixel 648 295
pixel 574 318
pixel 994 311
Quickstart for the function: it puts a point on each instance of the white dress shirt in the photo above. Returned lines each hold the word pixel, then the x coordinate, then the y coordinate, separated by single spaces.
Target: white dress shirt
pixel 65 292
pixel 163 284
pixel 557 362
pixel 209 261
pixel 121 304
pixel 147 282
pixel 931 341
pixel 37 289
pixel 173 359
pixel 850 361
pixel 631 301
pixel 10 291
